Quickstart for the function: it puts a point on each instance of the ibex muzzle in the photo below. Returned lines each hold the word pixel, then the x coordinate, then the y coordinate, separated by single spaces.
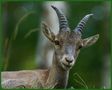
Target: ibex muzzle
pixel 68 43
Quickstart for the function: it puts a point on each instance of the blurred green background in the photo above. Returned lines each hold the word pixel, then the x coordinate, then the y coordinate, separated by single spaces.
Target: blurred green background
pixel 19 47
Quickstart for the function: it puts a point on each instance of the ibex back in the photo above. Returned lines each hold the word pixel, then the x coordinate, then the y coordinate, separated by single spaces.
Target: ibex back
pixel 67 46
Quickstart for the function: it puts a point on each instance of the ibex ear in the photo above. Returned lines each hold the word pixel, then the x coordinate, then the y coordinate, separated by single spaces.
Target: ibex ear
pixel 90 41
pixel 48 33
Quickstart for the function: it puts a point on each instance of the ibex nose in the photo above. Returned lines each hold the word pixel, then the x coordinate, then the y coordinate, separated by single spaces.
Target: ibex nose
pixel 69 59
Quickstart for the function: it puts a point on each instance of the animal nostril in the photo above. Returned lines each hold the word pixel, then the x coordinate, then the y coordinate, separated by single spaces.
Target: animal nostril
pixel 68 60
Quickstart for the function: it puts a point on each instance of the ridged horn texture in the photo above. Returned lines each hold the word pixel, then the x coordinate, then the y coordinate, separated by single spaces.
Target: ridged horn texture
pixel 82 23
pixel 63 23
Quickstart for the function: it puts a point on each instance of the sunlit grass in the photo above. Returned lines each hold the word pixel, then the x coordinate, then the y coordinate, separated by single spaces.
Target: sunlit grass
pixel 30 32
pixel 9 41
pixel 82 82
pixel 19 22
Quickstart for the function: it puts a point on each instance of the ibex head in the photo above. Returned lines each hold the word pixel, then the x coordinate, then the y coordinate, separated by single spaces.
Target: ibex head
pixel 68 43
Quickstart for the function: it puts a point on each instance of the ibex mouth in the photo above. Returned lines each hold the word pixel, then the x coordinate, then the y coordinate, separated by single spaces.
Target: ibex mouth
pixel 66 65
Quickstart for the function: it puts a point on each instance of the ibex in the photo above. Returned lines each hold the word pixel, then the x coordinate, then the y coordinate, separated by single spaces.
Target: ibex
pixel 67 47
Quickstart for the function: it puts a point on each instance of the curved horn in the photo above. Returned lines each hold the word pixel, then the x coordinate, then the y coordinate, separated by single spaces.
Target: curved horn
pixel 63 23
pixel 82 23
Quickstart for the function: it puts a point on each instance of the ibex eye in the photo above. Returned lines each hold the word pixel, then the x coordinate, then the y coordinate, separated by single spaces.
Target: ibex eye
pixel 80 47
pixel 56 42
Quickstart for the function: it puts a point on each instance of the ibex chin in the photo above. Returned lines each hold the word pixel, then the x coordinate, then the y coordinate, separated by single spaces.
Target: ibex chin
pixel 67 47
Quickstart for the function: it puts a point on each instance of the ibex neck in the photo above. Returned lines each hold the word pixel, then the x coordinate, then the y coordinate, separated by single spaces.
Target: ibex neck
pixel 58 77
